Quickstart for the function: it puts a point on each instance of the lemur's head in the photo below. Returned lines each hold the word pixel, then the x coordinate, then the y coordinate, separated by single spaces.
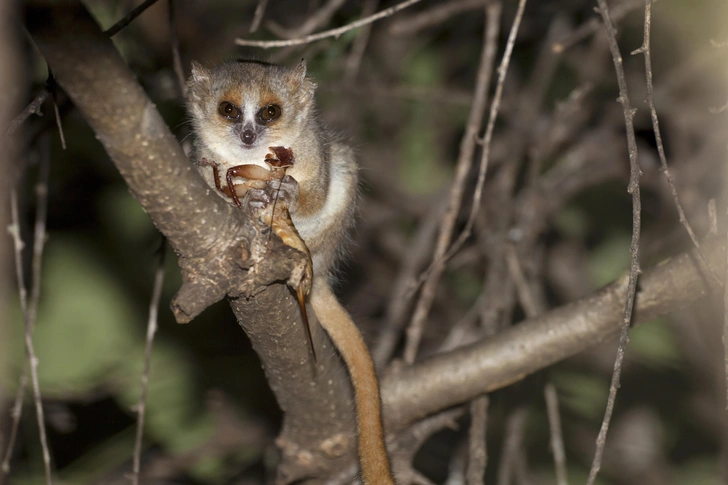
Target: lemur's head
pixel 243 105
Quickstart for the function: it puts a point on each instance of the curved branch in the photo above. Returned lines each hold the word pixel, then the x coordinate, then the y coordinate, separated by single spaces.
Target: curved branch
pixel 204 231
pixel 222 250
pixel 456 377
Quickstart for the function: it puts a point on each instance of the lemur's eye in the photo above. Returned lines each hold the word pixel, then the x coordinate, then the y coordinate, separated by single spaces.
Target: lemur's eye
pixel 228 110
pixel 269 113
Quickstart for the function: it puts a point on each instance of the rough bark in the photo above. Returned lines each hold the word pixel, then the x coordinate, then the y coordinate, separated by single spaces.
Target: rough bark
pixel 222 251
pixel 521 350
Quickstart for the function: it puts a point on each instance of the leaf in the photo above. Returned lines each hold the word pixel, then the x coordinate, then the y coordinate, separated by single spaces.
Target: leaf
pixel 583 394
pixel 421 170
pixel 654 344
pixel 84 327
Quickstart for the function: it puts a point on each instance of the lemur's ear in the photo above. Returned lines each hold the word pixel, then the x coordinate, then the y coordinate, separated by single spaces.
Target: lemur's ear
pixel 300 70
pixel 200 74
pixel 303 84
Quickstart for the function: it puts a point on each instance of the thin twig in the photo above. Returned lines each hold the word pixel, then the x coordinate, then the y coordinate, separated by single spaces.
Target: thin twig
pixel 512 444
pixel 258 15
pixel 32 108
pixel 314 21
pixel 419 245
pixel 267 44
pixel 463 167
pixel 38 400
pixel 176 57
pixel 18 245
pixel 477 449
pixel 30 307
pixel 410 441
pixel 525 212
pixel 592 26
pixel 519 280
pixel 121 24
pixel 712 218
pixel 485 156
pixel 556 438
pixel 53 88
pixel 568 116
pixel 39 236
pixel 634 272
pixel 435 15
pixel 490 127
pixel 59 125
pixel 353 61
pixel 15 415
pixel 456 467
pixel 419 479
pixel 716 110
pixel 498 227
pixel 465 160
pixel 650 98
pixel 151 330
pixel 39 240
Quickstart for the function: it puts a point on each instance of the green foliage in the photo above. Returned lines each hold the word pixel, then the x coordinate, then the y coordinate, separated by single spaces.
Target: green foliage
pixel 82 333
pixel 123 215
pixel 581 393
pixel 610 259
pixel 466 285
pixel 89 337
pixel 654 344
pixel 700 471
pixel 572 221
pixel 421 169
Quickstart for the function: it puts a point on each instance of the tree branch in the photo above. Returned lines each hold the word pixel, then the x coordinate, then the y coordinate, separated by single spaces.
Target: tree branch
pixel 201 229
pixel 458 376
pixel 222 250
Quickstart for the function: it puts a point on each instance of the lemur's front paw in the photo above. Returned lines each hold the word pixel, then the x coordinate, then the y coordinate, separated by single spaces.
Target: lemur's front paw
pixel 258 199
pixel 285 189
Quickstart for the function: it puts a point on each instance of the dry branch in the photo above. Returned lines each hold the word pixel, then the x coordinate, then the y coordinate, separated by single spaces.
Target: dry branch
pixel 209 236
pixel 634 247
pixel 513 354
pixel 462 170
pixel 267 44
pixel 89 69
pixel 477 449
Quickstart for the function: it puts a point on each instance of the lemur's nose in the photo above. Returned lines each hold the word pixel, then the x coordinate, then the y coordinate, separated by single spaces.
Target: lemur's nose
pixel 248 137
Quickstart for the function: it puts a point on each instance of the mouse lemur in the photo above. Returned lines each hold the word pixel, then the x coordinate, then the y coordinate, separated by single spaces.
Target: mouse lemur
pixel 239 109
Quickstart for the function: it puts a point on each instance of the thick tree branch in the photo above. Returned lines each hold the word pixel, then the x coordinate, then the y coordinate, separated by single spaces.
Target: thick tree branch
pixel 201 229
pixel 456 377
pixel 221 250
pixel 204 231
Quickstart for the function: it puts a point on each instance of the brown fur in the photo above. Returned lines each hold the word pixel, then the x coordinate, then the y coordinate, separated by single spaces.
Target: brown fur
pixel 373 458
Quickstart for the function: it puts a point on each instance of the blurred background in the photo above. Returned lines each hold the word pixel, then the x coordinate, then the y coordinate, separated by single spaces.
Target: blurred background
pixel 555 211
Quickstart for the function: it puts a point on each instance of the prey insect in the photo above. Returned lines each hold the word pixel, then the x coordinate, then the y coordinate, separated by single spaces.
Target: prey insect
pixel 276 215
